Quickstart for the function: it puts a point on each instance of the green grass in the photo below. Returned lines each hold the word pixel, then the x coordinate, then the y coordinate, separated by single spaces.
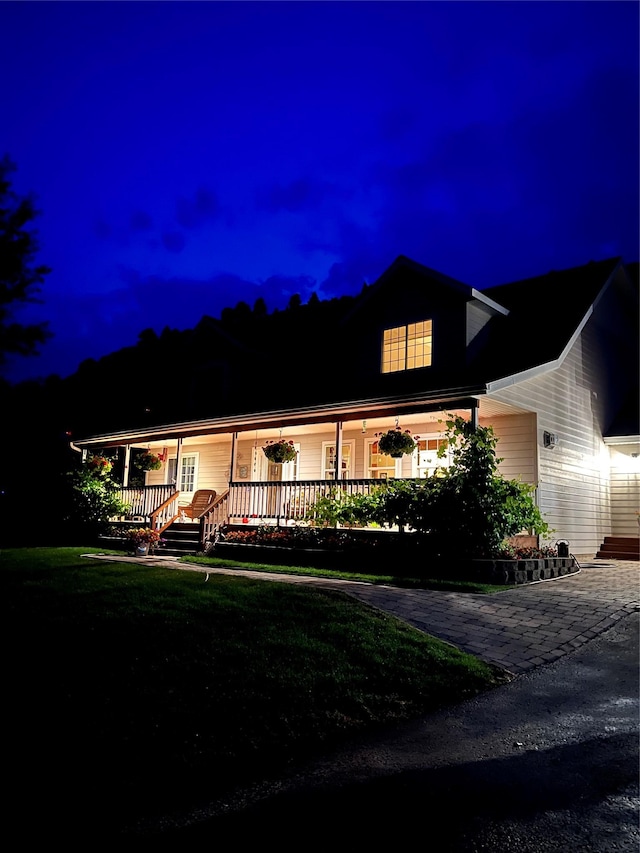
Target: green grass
pixel 133 690
pixel 438 583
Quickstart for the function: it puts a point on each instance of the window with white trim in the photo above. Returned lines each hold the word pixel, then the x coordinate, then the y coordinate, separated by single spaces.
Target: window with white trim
pixel 427 459
pixel 407 347
pixel 329 460
pixel 380 465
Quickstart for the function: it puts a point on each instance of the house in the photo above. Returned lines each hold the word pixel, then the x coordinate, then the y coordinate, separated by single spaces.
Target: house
pixel 550 362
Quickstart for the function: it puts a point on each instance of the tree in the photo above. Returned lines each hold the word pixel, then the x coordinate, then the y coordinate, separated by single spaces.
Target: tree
pixel 20 276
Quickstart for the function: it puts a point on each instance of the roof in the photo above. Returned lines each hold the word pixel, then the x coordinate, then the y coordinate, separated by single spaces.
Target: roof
pixel 546 313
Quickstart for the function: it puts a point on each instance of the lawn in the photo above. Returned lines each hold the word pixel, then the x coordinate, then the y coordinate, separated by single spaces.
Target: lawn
pixel 404 580
pixel 133 690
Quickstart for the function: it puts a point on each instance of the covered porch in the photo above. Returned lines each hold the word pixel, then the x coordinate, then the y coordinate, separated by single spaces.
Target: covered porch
pixel 335 450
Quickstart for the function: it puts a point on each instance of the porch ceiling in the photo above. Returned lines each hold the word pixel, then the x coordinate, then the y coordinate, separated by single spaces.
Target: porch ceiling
pixel 377 414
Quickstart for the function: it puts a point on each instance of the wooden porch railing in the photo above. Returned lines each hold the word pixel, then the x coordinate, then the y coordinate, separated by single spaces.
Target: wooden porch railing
pixel 216 518
pixel 261 502
pixel 155 505
pixel 287 500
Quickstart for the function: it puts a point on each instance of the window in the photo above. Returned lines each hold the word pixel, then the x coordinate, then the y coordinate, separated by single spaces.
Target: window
pixel 407 347
pixel 427 457
pixel 381 466
pixel 329 457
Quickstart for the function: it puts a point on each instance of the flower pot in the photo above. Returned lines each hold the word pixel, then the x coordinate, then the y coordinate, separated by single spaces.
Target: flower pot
pixel 142 550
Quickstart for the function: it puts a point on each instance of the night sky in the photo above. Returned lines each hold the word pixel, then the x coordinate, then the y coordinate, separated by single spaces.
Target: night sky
pixel 189 155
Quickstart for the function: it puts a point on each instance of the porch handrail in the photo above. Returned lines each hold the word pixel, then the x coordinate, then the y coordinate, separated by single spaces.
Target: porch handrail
pixel 288 500
pixel 164 515
pixel 142 502
pixel 217 517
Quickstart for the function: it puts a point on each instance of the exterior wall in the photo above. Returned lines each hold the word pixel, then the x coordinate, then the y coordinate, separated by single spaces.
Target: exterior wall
pixel 625 490
pixel 573 477
pixel 478 315
pixel 213 465
pixel 516 446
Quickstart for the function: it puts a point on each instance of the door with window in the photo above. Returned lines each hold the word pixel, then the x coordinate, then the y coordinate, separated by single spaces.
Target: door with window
pixel 329 460
pixel 187 478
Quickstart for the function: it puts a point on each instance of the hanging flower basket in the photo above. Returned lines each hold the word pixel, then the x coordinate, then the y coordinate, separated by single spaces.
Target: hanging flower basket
pixel 148 462
pixel 396 442
pixel 279 451
pixel 100 465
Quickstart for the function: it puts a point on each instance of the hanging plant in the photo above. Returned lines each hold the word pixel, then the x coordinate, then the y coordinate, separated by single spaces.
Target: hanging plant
pixel 280 451
pixel 99 465
pixel 396 442
pixel 148 462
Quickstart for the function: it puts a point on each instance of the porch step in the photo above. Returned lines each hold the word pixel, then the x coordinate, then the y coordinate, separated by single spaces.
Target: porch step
pixel 181 540
pixel 620 548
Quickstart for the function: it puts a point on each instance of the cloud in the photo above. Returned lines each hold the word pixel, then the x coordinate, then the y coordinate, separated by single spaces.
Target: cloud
pixel 140 220
pixel 300 194
pixel 194 212
pixel 174 241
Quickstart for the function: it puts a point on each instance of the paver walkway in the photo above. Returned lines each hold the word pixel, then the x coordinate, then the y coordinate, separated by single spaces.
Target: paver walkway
pixel 517 629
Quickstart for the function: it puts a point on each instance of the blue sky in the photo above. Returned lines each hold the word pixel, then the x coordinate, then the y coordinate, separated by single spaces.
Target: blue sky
pixel 189 155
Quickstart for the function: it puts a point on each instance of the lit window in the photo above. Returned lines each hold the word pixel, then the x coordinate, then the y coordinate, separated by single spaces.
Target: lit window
pixel 407 347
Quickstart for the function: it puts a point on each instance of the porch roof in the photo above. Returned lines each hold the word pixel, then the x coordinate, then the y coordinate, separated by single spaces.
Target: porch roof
pixel 455 398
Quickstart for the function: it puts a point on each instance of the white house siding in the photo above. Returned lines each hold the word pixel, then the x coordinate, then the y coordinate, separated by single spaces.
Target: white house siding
pixel 573 477
pixel 477 317
pixel 516 446
pixel 625 490
pixel 213 465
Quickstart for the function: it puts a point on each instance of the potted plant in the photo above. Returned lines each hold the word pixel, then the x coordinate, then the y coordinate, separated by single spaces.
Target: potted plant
pixel 279 451
pixel 99 465
pixel 148 461
pixel 396 442
pixel 143 539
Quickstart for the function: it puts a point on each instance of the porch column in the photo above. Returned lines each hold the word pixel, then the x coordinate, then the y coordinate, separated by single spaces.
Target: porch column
pixel 338 471
pixel 232 464
pixel 178 451
pixel 475 415
pixel 127 460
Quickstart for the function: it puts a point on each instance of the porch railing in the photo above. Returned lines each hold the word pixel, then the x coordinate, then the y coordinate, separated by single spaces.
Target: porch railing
pixel 263 502
pixel 150 503
pixel 287 500
pixel 216 518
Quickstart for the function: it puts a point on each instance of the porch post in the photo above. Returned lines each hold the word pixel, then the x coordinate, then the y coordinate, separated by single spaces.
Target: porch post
pixel 475 415
pixel 338 471
pixel 232 464
pixel 127 460
pixel 178 451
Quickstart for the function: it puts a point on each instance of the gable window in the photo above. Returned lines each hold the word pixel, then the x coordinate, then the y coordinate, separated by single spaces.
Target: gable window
pixel 407 347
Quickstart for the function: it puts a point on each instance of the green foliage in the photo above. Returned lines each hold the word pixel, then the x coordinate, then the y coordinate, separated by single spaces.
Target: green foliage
pixel 20 278
pixel 280 451
pixel 467 510
pixel 338 507
pixel 396 443
pixel 90 499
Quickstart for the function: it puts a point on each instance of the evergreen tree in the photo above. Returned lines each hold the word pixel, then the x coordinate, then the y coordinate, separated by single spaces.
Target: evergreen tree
pixel 20 277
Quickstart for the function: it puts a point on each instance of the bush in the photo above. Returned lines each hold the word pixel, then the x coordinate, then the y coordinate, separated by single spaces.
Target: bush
pixel 467 510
